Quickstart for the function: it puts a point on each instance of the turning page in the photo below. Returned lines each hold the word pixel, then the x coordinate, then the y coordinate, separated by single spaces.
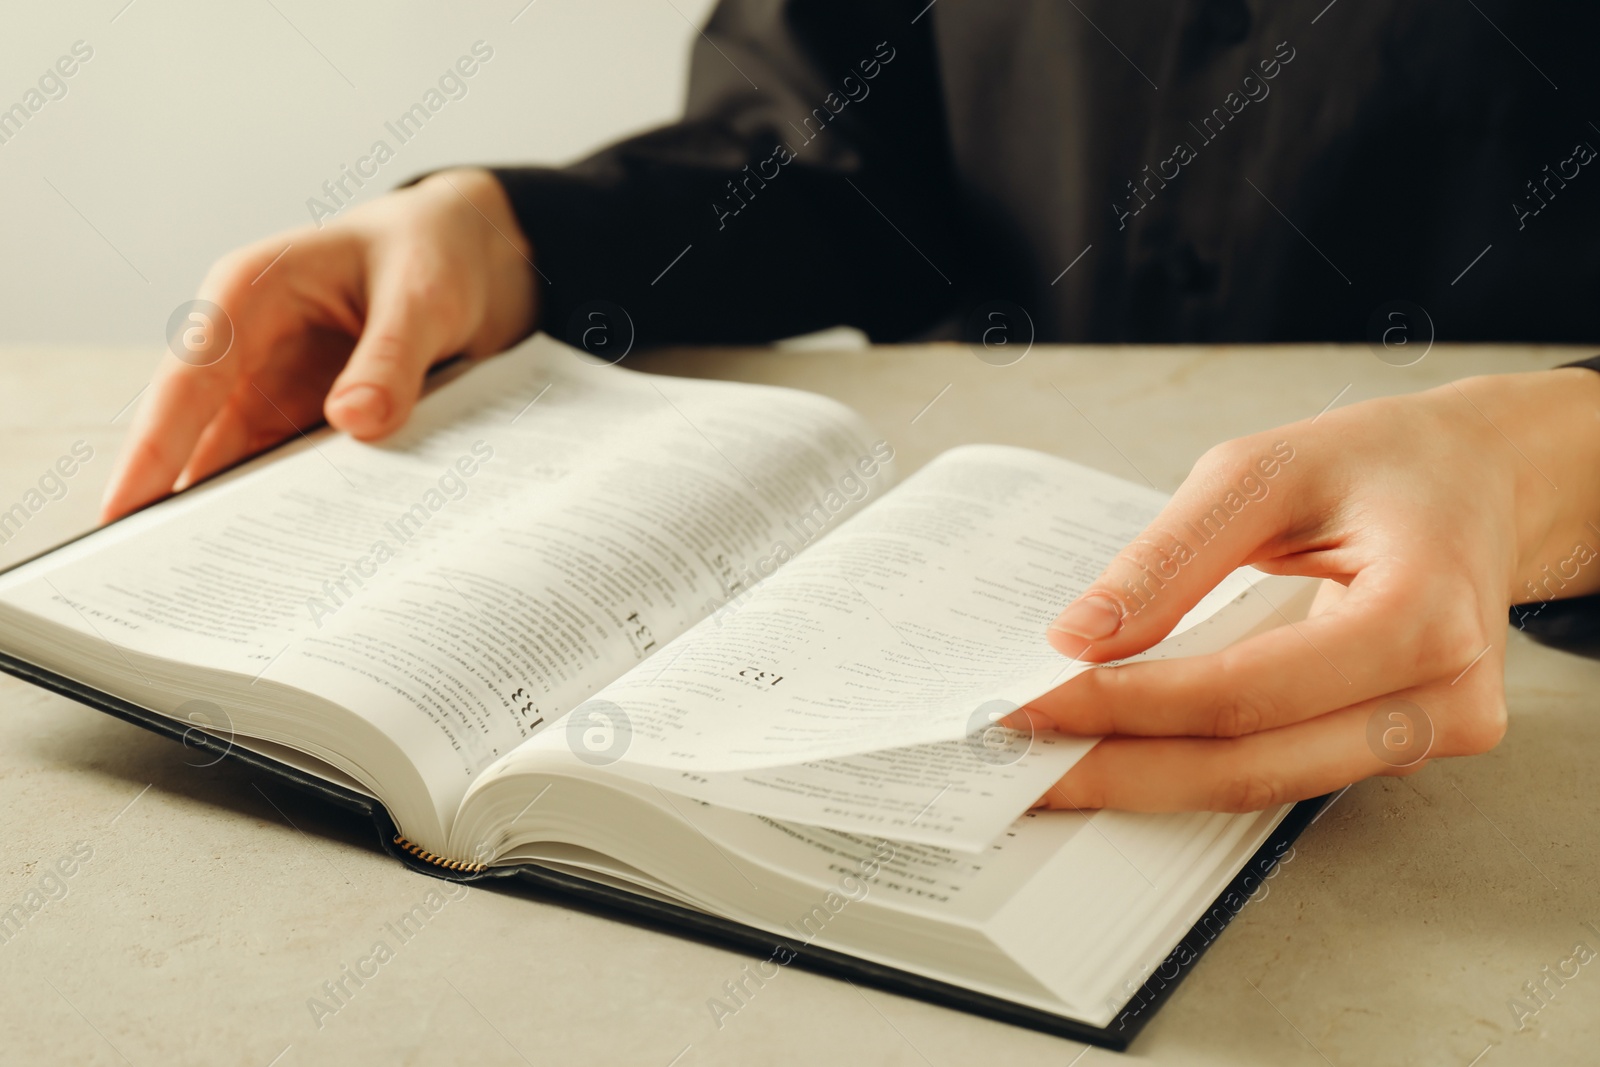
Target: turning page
pixel 858 687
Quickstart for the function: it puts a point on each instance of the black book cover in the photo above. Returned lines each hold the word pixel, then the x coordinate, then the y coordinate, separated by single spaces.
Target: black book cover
pixel 686 921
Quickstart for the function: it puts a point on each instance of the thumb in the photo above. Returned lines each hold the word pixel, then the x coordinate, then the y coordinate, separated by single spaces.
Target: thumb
pixel 1224 511
pixel 400 340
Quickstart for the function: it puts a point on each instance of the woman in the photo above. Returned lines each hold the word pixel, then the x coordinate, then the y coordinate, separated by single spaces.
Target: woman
pixel 1224 175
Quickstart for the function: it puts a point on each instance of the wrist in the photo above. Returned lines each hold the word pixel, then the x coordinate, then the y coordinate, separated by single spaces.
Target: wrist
pixel 481 209
pixel 1547 426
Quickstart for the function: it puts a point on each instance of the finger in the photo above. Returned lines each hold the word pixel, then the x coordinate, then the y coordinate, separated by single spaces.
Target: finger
pixel 185 394
pixel 1330 594
pixel 1236 499
pixel 1241 774
pixel 1364 648
pixel 181 401
pixel 1291 763
pixel 272 404
pixel 228 435
pixel 410 325
pixel 180 405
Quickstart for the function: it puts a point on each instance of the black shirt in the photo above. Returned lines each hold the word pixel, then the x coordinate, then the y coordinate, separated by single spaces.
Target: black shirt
pixel 1209 170
pixel 1105 171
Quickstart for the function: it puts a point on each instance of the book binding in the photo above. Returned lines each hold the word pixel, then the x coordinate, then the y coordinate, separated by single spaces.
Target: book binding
pixel 678 919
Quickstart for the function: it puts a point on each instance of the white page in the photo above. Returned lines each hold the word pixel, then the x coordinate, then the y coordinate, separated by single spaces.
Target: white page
pixel 612 513
pixel 950 885
pixel 1088 904
pixel 839 691
pixel 226 576
pixel 963 794
pixel 955 794
pixel 899 628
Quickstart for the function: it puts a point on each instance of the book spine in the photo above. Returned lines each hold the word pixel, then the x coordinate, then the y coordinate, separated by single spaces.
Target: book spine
pixel 438 861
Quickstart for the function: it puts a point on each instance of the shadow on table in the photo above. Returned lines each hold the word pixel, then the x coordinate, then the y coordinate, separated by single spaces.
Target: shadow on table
pixel 113 749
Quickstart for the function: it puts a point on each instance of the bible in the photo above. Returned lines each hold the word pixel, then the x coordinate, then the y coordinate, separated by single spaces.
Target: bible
pixel 693 650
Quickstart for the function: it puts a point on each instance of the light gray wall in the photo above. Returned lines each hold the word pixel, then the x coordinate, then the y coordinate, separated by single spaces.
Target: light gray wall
pixel 196 126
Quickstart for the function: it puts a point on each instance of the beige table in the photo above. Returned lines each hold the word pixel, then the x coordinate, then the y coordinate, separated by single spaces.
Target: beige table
pixel 210 911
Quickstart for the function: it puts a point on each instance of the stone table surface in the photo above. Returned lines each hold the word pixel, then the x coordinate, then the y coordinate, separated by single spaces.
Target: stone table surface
pixel 212 906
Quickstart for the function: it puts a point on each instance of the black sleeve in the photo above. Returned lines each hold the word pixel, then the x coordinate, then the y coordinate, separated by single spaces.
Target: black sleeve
pixel 808 185
pixel 1573 624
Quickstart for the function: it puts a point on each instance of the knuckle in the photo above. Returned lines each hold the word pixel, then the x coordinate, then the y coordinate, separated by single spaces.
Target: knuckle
pixel 1099 693
pixel 431 291
pixel 1140 571
pixel 1480 727
pixel 385 350
pixel 233 263
pixel 1225 459
pixel 234 271
pixel 1246 791
pixel 1238 714
pixel 424 288
pixel 1082 789
pixel 228 278
pixel 1405 771
pixel 1155 551
pixel 1449 645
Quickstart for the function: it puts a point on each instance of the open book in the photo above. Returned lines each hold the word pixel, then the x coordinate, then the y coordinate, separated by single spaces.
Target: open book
pixel 685 641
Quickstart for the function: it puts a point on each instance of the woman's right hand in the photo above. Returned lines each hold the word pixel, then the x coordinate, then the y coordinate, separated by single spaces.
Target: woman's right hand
pixel 340 322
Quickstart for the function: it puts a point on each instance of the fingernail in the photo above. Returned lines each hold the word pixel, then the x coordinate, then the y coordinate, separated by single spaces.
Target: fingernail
pixel 362 403
pixel 1092 618
pixel 1017 720
pixel 1027 721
